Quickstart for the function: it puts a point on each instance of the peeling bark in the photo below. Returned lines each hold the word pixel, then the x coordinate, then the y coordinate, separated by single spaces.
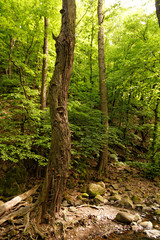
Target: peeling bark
pixel 60 150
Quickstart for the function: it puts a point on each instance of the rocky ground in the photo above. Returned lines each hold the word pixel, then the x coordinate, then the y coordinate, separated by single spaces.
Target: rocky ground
pixel 117 204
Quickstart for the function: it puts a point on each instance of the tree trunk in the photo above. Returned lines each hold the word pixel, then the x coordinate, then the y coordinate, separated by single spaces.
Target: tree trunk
pixel 103 162
pixel 60 150
pixel 157 3
pixel 45 63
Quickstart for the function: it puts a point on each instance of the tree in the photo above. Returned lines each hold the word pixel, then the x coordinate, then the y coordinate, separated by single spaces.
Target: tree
pixel 60 150
pixel 158 10
pixel 45 63
pixel 102 167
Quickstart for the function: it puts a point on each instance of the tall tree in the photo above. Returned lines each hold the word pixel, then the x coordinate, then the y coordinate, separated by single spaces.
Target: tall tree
pixel 60 150
pixel 103 89
pixel 45 63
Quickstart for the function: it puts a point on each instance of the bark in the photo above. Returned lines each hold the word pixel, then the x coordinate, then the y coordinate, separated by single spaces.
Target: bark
pixel 157 3
pixel 60 150
pixel 45 64
pixel 103 162
pixel 155 132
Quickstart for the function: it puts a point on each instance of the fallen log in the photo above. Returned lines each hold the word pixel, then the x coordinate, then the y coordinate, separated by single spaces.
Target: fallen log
pixel 13 202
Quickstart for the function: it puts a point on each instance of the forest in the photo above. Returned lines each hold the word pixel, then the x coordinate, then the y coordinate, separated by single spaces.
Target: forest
pixel 79 99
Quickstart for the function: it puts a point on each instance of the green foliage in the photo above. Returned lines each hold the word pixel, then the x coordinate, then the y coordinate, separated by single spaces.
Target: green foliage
pixel 26 130
pixel 87 130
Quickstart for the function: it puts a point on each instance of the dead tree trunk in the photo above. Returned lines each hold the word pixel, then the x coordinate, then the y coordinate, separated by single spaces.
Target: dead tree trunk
pixel 60 151
pixel 103 162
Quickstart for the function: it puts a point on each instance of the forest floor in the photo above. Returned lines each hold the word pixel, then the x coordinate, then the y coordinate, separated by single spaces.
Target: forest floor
pixel 89 221
pixel 83 219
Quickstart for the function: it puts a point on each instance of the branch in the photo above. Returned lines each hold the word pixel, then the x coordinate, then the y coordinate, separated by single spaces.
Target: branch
pixel 54 37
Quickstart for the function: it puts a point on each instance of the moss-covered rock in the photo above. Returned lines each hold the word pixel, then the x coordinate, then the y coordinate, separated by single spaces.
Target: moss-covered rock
pixel 126 217
pixel 95 189
pixel 136 199
pixel 115 197
pixel 99 199
pixel 126 202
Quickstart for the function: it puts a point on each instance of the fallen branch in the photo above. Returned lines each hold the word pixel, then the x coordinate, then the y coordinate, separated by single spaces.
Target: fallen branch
pixel 10 204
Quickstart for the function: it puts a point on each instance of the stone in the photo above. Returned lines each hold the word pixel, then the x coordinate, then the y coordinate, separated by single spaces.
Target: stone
pixel 126 217
pixel 135 227
pixel 95 189
pixel 126 202
pixel 147 225
pixel 68 198
pixel 147 209
pixel 102 184
pixel 136 199
pixel 99 199
pixel 153 233
pixel 157 211
pixel 85 195
pixel 115 197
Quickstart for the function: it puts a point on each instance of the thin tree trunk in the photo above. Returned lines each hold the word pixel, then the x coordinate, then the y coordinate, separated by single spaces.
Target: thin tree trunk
pixel 60 150
pixel 45 64
pixel 9 66
pixel 91 54
pixel 157 4
pixel 155 132
pixel 103 162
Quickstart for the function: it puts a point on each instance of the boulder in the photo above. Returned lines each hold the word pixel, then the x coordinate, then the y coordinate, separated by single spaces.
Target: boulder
pixel 126 217
pixel 147 225
pixel 95 189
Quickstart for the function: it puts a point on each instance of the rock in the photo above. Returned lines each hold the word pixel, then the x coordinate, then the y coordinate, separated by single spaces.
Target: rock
pixel 95 189
pixel 153 233
pixel 135 227
pixel 85 195
pixel 102 184
pixel 99 199
pixel 157 211
pixel 147 225
pixel 78 203
pixel 140 207
pixel 68 198
pixel 147 209
pixel 126 217
pixel 137 199
pixel 126 202
pixel 115 197
pixel 65 203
